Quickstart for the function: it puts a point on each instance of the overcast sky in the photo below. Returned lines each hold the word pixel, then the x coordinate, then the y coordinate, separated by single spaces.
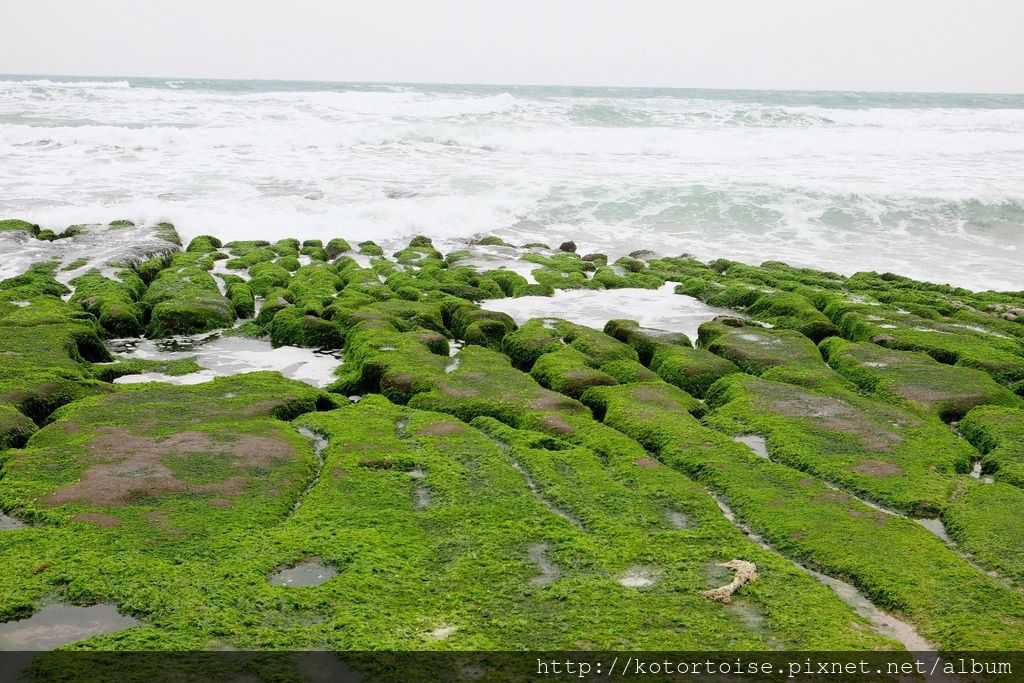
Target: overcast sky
pixel 946 45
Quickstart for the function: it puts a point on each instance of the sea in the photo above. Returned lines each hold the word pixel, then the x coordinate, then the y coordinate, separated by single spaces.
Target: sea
pixel 929 185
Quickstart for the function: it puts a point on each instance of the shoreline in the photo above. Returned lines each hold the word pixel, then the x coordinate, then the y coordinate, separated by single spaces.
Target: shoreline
pixel 473 468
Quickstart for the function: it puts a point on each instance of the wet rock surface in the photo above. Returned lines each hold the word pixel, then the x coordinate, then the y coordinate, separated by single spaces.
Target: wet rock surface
pixel 489 426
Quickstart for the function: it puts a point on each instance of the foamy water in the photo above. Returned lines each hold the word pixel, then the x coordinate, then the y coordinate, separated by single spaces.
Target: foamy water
pixel 928 185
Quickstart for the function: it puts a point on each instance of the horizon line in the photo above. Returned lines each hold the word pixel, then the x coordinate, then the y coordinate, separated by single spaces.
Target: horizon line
pixel 508 84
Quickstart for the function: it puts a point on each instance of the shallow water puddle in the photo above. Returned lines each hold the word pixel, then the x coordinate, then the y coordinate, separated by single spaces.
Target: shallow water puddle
pixel 56 625
pixel 420 492
pixel 548 571
pixel 936 527
pixel 443 632
pixel 661 308
pixel 884 624
pixel 221 356
pixel 311 572
pixel 421 498
pixel 637 577
pixel 8 523
pixel 754 442
pixel 976 474
pixel 677 520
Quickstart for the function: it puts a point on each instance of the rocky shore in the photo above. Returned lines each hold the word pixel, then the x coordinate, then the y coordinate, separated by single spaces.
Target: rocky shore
pixel 493 484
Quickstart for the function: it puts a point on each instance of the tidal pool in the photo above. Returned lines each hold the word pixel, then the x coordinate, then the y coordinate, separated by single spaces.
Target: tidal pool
pixel 60 624
pixel 660 308
pixel 221 355
pixel 310 572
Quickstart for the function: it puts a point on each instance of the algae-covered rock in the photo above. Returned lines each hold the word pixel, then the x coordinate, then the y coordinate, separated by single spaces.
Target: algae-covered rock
pixel 692 370
pixel 243 301
pixel 890 557
pixel 949 391
pixel 292 327
pixel 370 248
pixel 628 372
pixel 15 428
pixel 17 225
pixel 945 340
pixel 204 244
pixel 160 457
pixel 985 522
pixel 493 241
pixel 336 247
pixel 645 341
pixel 185 299
pixel 998 433
pixel 114 303
pixel 888 454
pixel 568 371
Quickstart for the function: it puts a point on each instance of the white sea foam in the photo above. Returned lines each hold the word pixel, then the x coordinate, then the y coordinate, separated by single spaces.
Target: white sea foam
pixel 927 186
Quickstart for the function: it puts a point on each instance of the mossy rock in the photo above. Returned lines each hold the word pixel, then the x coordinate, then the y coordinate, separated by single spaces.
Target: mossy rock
pixel 947 341
pixel 885 453
pixel 292 327
pixel 568 372
pixel 493 241
pixel 784 355
pixel 137 366
pixel 115 304
pixel 692 370
pixel 15 428
pixel 185 299
pixel 986 523
pixel 892 559
pixel 47 349
pixel 243 301
pixel 370 248
pixel 529 342
pixel 336 247
pixel 629 372
pixel 18 225
pixel 948 391
pixel 998 433
pixel 644 340
pixel 204 244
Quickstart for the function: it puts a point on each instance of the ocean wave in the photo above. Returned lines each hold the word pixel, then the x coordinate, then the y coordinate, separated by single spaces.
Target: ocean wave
pixel 47 83
pixel 837 181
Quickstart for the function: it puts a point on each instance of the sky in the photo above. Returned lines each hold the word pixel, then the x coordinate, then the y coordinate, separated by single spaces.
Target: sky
pixel 922 45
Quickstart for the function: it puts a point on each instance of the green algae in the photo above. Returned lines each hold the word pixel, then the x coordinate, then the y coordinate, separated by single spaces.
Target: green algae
pixel 15 428
pixel 114 303
pixel 998 433
pixel 457 502
pixel 949 391
pixel 895 561
pixel 184 299
pixel 891 456
pixel 986 524
pixel 18 225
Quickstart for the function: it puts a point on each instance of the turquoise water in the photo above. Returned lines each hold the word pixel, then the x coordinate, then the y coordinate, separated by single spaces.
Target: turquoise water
pixel 928 184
